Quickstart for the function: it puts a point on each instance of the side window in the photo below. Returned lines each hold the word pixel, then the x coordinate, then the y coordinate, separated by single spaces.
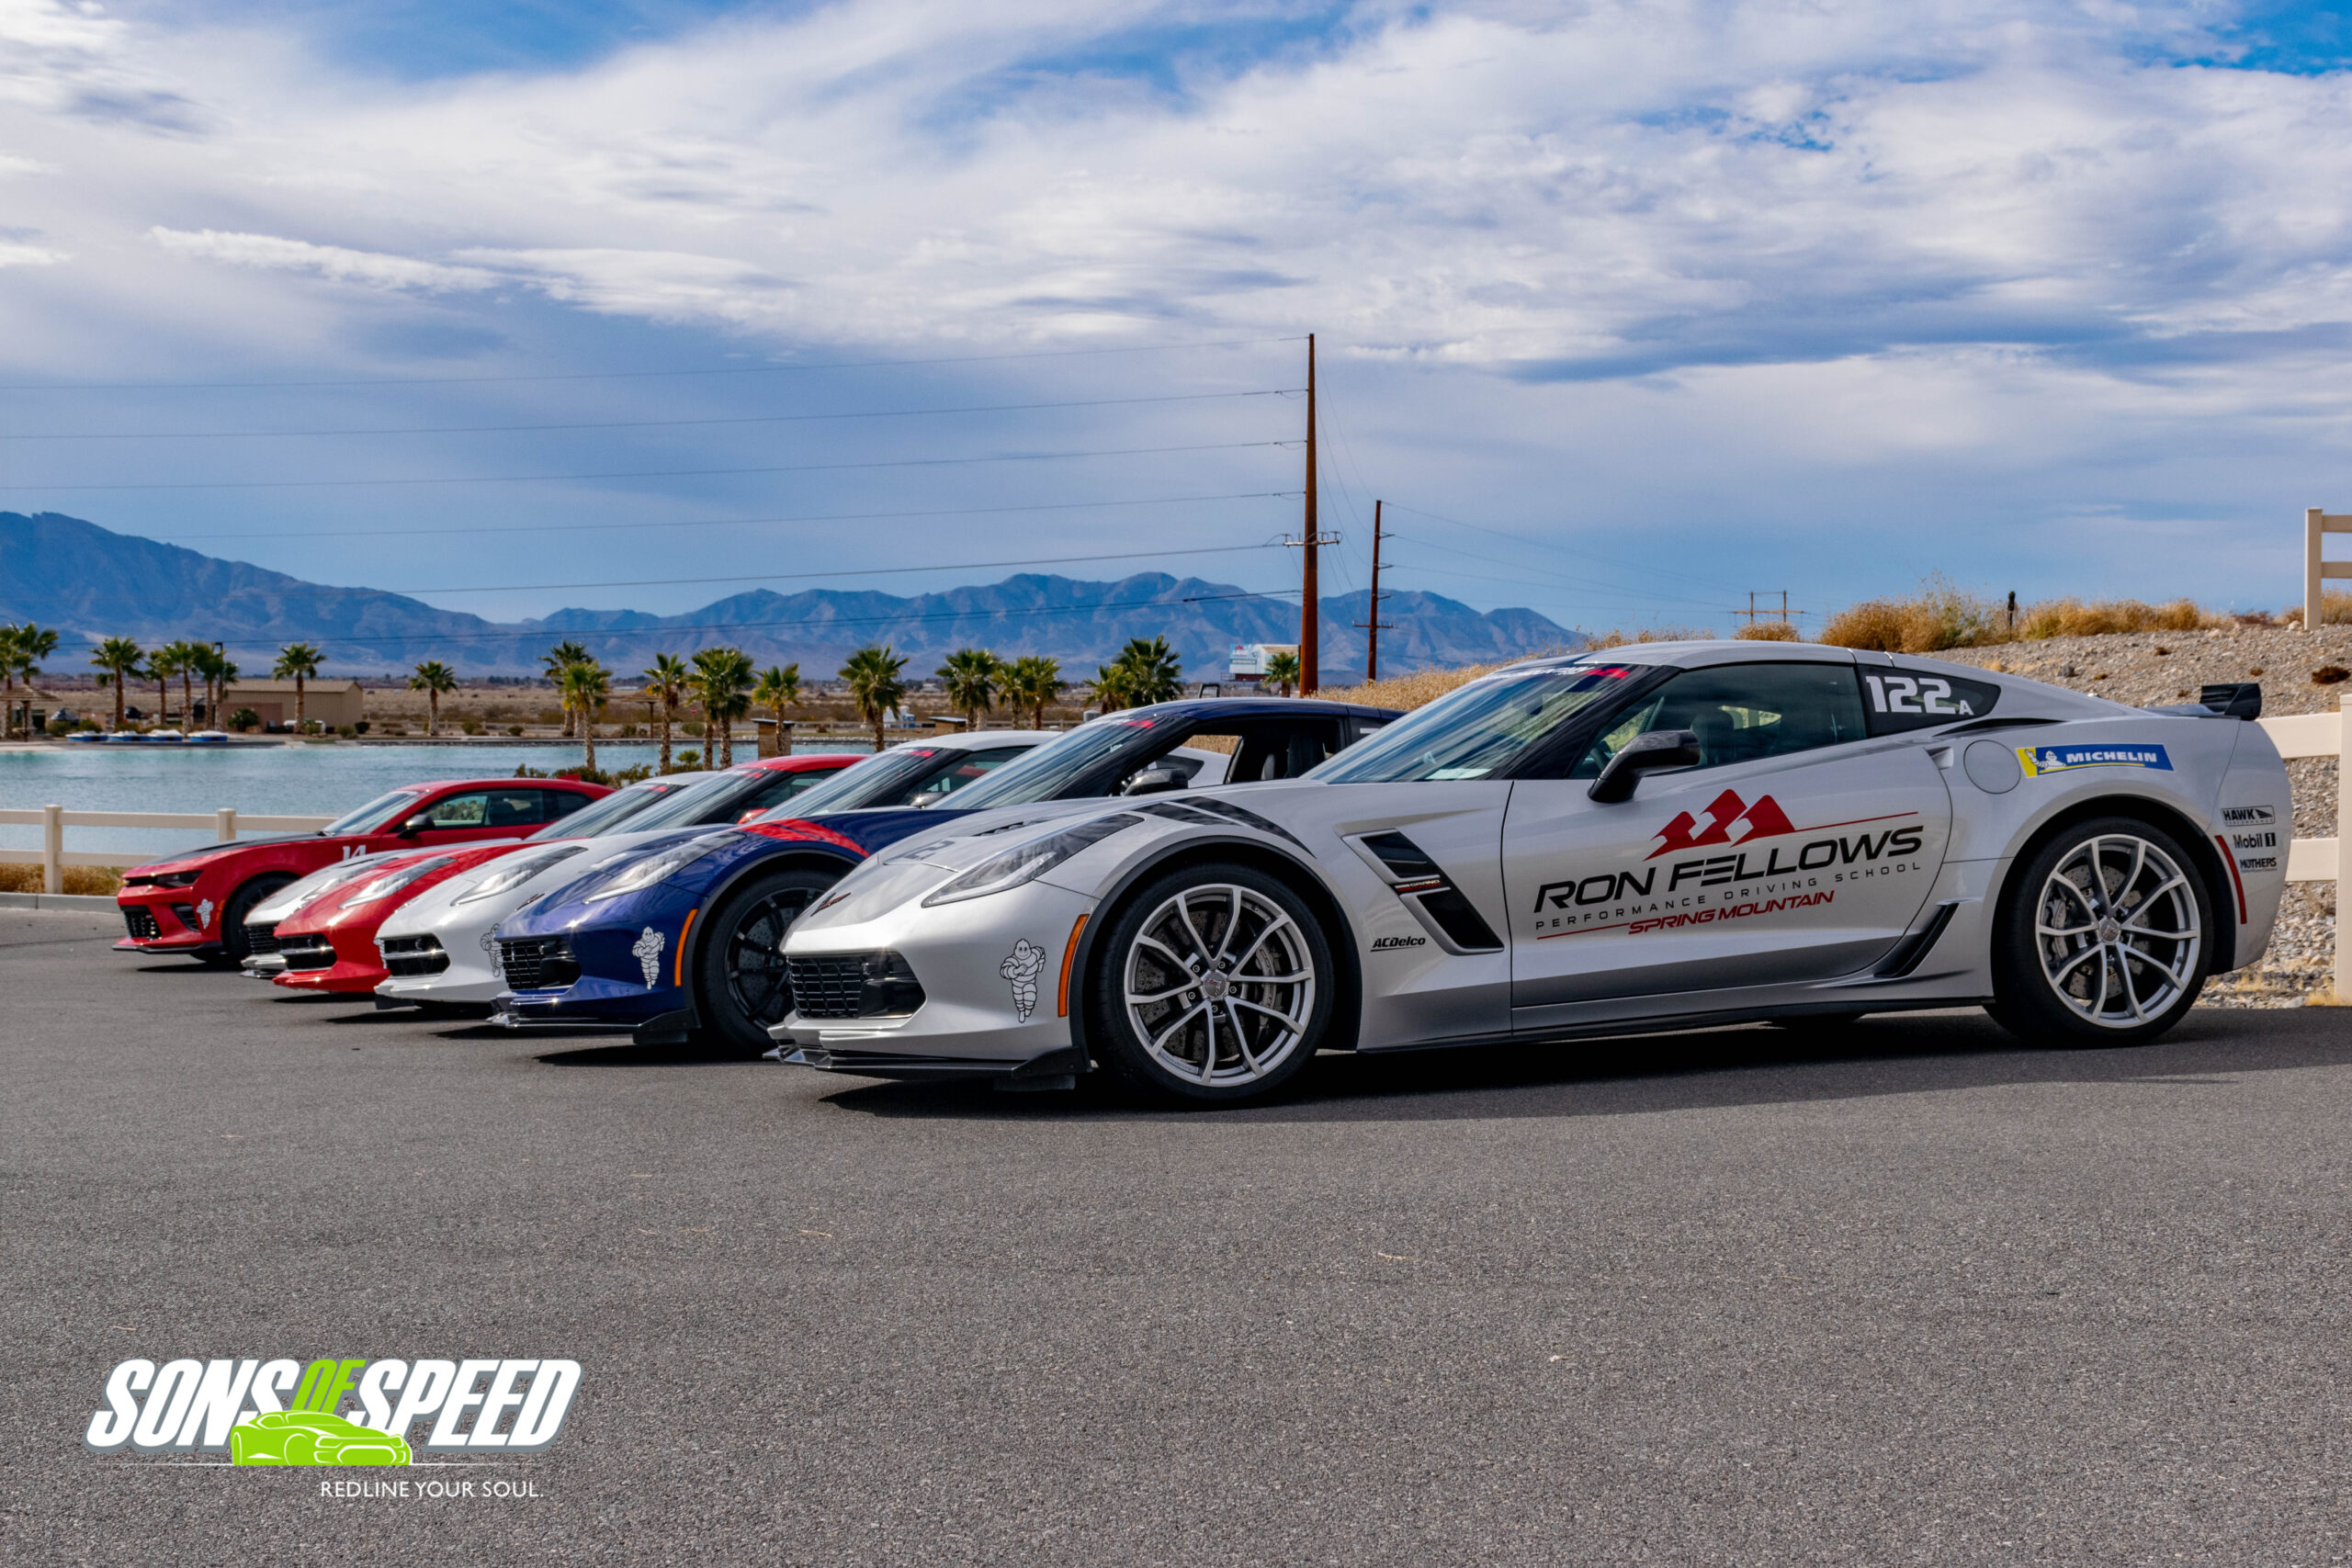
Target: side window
pixel 561 803
pixel 1743 713
pixel 519 807
pixel 963 768
pixel 461 810
pixel 1902 700
pixel 1282 752
pixel 774 789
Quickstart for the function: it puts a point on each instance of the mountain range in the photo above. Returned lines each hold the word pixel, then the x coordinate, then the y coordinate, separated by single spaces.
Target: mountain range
pixel 89 583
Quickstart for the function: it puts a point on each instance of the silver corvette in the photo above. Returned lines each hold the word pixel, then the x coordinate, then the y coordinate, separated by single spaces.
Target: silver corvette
pixel 1657 836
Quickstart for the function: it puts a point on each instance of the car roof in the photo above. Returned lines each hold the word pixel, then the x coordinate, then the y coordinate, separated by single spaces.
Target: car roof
pixel 798 762
pixel 1194 709
pixel 496 784
pixel 979 739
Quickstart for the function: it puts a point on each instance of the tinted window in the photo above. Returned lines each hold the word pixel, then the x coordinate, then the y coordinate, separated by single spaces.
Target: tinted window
pixel 377 814
pixel 464 810
pixel 1742 713
pixel 523 808
pixel 561 803
pixel 777 786
pixel 1480 731
pixel 963 769
pixel 588 818
pixel 1919 699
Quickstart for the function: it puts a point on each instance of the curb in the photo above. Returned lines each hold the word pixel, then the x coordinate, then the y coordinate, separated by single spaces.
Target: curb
pixel 83 903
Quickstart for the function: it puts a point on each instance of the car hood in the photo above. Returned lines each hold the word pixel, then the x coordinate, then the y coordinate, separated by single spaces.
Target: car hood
pixel 214 852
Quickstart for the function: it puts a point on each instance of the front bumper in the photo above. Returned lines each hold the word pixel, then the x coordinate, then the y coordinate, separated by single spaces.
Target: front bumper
pixel 468 972
pixel 356 970
pixel 166 919
pixel 992 976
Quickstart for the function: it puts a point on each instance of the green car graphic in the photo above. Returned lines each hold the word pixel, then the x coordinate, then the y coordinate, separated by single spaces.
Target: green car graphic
pixel 308 1437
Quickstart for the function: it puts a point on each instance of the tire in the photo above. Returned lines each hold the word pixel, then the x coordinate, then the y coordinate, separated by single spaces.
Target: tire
pixel 2068 971
pixel 740 984
pixel 1223 1041
pixel 234 948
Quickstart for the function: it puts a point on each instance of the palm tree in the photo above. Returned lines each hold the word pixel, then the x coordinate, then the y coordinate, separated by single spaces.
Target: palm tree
pixel 1111 684
pixel 119 657
pixel 667 681
pixel 584 687
pixel 433 678
pixel 722 680
pixel 971 675
pixel 213 665
pixel 779 689
pixel 297 661
pixel 1282 669
pixel 21 650
pixel 162 665
pixel 1156 675
pixel 1031 682
pixel 557 659
pixel 873 684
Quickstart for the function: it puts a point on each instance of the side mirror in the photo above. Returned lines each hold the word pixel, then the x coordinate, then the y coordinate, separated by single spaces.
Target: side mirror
pixel 416 824
pixel 1657 750
pixel 1154 781
pixel 927 796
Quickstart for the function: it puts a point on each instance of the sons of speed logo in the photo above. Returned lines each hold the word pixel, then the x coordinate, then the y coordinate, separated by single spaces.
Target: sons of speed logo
pixel 482 1407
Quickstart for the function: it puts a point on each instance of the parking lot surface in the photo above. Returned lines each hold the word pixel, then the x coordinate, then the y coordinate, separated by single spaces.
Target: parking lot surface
pixel 1902 1293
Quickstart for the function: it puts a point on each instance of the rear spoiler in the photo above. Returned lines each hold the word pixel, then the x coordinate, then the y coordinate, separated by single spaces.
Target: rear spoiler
pixel 2228 699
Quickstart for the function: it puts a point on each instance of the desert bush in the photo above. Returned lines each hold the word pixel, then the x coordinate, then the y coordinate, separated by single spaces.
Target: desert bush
pixel 471 727
pixel 2330 675
pixel 1416 690
pixel 514 729
pixel 1767 631
pixel 1617 638
pixel 2334 609
pixel 82 881
pixel 1874 624
pixel 2107 617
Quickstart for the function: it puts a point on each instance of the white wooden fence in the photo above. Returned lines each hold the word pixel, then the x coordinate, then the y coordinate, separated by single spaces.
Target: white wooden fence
pixel 52 857
pixel 2317 568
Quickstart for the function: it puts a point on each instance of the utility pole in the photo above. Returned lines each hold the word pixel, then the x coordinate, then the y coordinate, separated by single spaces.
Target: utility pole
pixel 1752 612
pixel 1372 627
pixel 1310 624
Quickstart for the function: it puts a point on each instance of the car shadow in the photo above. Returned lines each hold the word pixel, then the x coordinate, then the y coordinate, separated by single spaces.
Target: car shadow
pixel 1726 1068
pixel 626 1053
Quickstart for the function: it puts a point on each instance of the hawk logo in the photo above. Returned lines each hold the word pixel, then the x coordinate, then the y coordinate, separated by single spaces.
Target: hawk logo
pixel 1730 821
pixel 647 949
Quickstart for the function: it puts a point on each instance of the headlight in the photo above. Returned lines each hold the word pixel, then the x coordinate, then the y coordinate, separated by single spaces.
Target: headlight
pixel 509 877
pixel 1026 862
pixel 392 882
pixel 661 867
pixel 177 878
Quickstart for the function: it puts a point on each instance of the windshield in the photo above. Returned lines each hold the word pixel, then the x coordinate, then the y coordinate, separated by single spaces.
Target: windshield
pixel 877 780
pixel 1043 773
pixel 376 813
pixel 599 817
pixel 1478 731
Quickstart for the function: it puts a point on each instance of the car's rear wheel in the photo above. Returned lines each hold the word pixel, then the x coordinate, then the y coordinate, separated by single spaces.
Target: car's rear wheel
pixel 234 946
pixel 1212 984
pixel 741 986
pixel 2103 936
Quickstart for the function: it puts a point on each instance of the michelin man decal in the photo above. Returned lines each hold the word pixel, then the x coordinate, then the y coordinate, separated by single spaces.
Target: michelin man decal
pixel 203 914
pixel 647 949
pixel 1022 968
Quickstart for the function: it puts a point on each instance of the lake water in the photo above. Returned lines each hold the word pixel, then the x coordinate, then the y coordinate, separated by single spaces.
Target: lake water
pixel 304 781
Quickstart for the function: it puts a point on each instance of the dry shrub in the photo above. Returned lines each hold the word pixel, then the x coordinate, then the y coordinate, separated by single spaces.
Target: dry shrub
pixel 87 881
pixel 2107 617
pixel 2330 675
pixel 1617 638
pixel 1874 624
pixel 1767 631
pixel 1417 690
pixel 2334 610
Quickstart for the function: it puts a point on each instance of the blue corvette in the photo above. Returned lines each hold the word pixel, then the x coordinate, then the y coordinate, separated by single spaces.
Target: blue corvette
pixel 685 934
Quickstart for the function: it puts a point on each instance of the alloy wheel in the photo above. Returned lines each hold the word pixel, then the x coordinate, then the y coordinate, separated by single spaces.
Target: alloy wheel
pixel 2117 930
pixel 756 977
pixel 1219 984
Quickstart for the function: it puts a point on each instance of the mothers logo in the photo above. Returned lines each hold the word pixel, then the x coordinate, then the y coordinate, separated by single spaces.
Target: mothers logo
pixel 2040 759
pixel 240 1405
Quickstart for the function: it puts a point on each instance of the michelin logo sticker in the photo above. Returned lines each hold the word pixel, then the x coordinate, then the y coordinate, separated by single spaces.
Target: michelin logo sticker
pixel 2040 759
pixel 1022 966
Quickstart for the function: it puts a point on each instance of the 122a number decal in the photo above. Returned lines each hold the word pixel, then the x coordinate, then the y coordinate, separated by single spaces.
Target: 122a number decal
pixel 1922 696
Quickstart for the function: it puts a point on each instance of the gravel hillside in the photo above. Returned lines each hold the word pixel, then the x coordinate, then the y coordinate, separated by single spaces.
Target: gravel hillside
pixel 2143 669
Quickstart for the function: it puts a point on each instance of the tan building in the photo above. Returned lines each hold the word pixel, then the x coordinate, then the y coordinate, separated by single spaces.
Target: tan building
pixel 331 703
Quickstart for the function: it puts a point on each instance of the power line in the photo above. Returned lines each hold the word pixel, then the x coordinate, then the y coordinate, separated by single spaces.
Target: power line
pixel 639 424
pixel 628 375
pixel 664 473
pixel 407 531
pixel 1556 579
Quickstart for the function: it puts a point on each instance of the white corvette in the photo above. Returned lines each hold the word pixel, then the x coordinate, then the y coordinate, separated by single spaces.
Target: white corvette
pixel 1675 834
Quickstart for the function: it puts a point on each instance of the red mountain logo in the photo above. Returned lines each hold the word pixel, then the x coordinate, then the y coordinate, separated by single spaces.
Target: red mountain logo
pixel 1730 821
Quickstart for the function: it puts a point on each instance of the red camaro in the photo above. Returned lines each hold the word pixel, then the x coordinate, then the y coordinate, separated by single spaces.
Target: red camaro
pixel 329 943
pixel 196 903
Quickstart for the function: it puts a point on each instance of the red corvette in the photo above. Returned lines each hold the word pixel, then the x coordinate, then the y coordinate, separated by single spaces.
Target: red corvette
pixel 329 943
pixel 197 903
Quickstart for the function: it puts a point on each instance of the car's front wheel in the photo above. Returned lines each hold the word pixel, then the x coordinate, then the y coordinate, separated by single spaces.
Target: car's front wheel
pixel 741 986
pixel 1212 984
pixel 236 946
pixel 2103 936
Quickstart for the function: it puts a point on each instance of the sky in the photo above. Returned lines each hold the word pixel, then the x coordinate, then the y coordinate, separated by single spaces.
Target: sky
pixel 1623 310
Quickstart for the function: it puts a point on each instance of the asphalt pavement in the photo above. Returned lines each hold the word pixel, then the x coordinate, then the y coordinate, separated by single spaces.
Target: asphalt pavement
pixel 1903 1293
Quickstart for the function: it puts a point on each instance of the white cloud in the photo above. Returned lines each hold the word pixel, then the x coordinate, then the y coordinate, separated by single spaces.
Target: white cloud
pixel 334 263
pixel 13 253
